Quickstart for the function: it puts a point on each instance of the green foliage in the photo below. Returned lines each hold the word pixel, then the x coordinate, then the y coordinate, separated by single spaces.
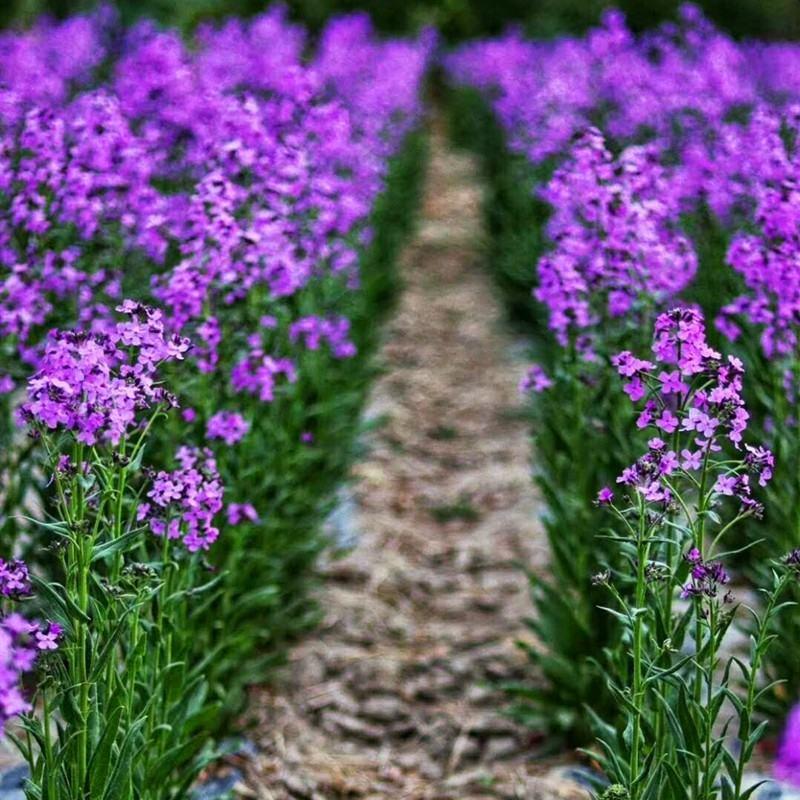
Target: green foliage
pixel 581 440
pixel 126 711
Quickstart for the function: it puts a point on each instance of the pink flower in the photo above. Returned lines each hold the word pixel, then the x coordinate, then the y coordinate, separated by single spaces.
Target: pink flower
pixel 228 426
pixel 605 496
pixel 668 422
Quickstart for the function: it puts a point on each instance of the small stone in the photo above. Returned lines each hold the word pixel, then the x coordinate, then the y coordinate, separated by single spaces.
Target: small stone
pixel 384 709
pixel 15 777
pixel 297 786
pixel 478 694
pixel 486 603
pixel 491 724
pixel 500 747
pixel 472 777
pixel 331 695
pixel 336 722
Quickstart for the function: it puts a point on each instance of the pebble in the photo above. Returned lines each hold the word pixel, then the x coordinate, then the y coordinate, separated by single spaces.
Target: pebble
pixel 384 709
pixel 12 782
pixel 14 778
pixel 335 722
pixel 500 747
pixel 342 523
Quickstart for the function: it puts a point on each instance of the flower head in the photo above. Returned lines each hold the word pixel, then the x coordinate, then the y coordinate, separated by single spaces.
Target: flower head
pixel 185 501
pixel 96 385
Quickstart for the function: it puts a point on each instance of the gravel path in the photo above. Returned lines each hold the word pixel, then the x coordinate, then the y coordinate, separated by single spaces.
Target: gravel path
pixel 391 697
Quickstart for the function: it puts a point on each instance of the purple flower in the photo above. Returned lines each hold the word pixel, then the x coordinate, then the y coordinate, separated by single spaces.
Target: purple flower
pixel 671 383
pixel 668 422
pixel 14 578
pixel 21 643
pixel 185 501
pixel 535 380
pixel 49 637
pixel 228 426
pixel 97 385
pixel 314 330
pixel 726 484
pixel 605 496
pixel 711 405
pixel 692 460
pixel 237 512
pixel 635 389
pixel 617 243
pixel 706 577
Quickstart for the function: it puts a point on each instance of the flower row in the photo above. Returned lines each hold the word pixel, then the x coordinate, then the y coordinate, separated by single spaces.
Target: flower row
pixel 196 241
pixel 649 183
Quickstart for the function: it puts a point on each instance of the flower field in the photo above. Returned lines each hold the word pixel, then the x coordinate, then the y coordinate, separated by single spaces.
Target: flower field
pixel 201 290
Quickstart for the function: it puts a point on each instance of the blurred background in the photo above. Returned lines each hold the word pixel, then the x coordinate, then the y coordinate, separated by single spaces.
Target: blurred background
pixel 456 19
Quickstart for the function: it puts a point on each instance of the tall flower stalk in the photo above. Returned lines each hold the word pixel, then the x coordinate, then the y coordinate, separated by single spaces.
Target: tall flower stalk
pixel 121 704
pixel 680 693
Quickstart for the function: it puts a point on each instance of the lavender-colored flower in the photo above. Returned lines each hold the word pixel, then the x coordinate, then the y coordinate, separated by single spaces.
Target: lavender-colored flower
pixel 710 408
pixel 605 496
pixel 97 385
pixel 14 578
pixel 239 512
pixel 706 576
pixel 185 501
pixel 535 380
pixel 314 330
pixel 618 247
pixel 228 426
pixel 21 643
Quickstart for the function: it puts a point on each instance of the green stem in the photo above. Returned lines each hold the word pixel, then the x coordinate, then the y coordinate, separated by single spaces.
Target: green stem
pixel 637 695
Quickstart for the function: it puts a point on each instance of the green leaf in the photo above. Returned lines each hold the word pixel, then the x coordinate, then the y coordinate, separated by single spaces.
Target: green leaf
pixel 119 781
pixel 100 764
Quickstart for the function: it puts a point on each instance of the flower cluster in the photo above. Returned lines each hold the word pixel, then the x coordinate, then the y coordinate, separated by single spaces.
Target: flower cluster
pixel 769 263
pixel 682 78
pixel 535 380
pixel 14 578
pixel 21 643
pixel 618 249
pixel 333 330
pixel 228 426
pixel 691 394
pixel 706 577
pixel 97 385
pixel 184 502
pixel 221 191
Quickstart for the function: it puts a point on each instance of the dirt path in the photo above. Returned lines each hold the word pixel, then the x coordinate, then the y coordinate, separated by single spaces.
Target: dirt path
pixel 389 698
